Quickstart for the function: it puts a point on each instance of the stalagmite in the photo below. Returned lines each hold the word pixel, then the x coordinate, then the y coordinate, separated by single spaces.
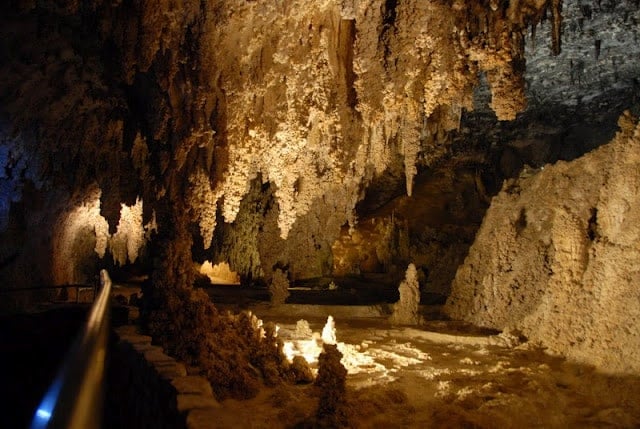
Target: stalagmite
pixel 329 331
pixel 405 311
pixel 279 287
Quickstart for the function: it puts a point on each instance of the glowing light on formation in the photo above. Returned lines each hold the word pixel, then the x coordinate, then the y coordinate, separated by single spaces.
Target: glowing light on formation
pixel 329 331
pixel 78 234
pixel 83 231
pixel 126 243
pixel 311 347
pixel 219 273
pixel 374 363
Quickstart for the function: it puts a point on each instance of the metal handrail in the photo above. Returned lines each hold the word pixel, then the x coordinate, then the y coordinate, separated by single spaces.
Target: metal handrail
pixel 36 288
pixel 74 399
pixel 77 287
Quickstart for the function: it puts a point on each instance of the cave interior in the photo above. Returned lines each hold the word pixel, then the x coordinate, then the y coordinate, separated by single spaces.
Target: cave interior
pixel 441 197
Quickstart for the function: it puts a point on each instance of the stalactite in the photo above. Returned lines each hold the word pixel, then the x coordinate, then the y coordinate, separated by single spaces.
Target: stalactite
pixel 129 238
pixel 323 107
pixel 556 33
pixel 203 201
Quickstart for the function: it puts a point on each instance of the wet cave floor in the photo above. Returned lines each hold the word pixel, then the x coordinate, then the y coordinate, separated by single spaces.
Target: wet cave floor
pixel 440 375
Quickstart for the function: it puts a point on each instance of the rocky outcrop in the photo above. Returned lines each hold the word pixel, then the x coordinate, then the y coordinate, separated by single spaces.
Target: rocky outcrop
pixel 557 255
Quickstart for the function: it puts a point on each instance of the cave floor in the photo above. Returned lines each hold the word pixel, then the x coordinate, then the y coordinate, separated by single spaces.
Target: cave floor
pixel 443 375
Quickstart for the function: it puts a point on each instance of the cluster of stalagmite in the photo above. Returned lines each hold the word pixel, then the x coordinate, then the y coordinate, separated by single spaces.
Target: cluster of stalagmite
pixel 557 254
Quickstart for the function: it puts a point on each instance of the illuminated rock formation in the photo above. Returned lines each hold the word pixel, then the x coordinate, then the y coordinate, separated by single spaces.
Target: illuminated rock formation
pixel 219 273
pixel 195 103
pixel 556 254
pixel 279 287
pixel 405 311
pixel 329 332
pixel 82 236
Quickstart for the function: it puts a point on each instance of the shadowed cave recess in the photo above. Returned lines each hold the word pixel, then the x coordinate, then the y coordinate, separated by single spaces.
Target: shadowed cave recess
pixel 460 178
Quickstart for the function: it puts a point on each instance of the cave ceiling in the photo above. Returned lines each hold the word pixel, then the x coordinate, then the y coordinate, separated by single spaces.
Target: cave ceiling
pixel 254 128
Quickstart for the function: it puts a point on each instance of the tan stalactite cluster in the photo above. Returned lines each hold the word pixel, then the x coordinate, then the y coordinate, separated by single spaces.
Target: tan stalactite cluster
pixel 82 235
pixel 283 117
pixel 205 200
pixel 193 100
pixel 129 238
pixel 329 92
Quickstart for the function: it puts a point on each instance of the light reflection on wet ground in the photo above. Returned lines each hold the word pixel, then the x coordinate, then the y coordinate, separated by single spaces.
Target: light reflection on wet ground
pixel 457 378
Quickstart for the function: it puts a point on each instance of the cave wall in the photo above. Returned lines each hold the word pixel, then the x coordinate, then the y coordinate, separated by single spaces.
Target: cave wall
pixel 557 257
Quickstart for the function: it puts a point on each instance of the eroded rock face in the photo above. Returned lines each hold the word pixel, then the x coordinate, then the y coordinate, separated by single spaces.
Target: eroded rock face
pixel 557 255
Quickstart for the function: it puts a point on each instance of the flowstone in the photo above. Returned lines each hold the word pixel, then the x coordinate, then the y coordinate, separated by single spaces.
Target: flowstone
pixel 557 254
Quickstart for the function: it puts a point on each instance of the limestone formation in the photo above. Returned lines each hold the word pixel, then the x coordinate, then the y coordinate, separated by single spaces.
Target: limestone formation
pixel 405 311
pixel 247 132
pixel 192 104
pixel 279 287
pixel 556 257
pixel 332 377
pixel 82 236
pixel 329 332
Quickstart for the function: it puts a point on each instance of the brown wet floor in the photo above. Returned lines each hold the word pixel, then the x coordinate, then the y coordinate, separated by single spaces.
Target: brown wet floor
pixel 410 377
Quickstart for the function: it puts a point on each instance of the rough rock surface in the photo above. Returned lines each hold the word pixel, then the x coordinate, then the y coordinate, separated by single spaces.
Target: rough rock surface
pixel 557 257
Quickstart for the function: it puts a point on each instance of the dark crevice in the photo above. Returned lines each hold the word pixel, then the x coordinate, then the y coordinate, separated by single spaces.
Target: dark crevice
pixel 347 38
pixel 521 223
pixel 556 33
pixel 389 19
pixel 389 16
pixel 592 228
